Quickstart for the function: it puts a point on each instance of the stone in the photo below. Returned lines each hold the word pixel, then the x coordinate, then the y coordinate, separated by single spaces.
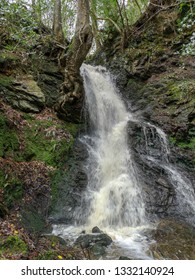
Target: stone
pixel 96 230
pixel 124 258
pixel 26 95
pixel 88 240
pixel 98 250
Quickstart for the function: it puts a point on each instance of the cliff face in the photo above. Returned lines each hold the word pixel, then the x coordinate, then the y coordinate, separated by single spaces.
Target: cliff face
pixel 156 73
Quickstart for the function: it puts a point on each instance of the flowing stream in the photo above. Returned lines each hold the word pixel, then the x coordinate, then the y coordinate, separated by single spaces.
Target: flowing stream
pixel 113 199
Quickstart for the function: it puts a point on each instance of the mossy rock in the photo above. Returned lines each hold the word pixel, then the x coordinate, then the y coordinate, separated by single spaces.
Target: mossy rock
pixel 48 141
pixel 43 145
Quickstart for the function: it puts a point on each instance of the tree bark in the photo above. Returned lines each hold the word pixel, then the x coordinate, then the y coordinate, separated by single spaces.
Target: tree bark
pixel 70 103
pixel 57 22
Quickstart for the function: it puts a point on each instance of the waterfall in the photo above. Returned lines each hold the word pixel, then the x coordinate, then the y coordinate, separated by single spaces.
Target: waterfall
pixel 182 185
pixel 113 196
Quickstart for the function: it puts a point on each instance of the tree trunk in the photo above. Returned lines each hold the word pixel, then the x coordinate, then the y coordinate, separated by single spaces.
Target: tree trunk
pixel 96 35
pixel 70 103
pixel 57 22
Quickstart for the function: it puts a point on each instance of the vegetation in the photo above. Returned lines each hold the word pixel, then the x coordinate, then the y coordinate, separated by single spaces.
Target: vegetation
pixel 35 147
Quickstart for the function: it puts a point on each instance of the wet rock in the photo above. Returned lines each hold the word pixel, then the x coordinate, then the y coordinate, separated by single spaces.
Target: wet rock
pixel 124 258
pixel 89 240
pixel 96 230
pixel 50 83
pixel 173 240
pixel 71 185
pixel 98 250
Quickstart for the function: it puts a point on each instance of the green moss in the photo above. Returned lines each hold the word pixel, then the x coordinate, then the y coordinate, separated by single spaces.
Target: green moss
pixel 189 145
pixel 50 151
pixel 13 245
pixel 7 57
pixel 43 140
pixel 9 142
pixel 182 91
pixel 72 128
pixel 42 143
pixel 13 192
pixel 5 81
pixel 172 140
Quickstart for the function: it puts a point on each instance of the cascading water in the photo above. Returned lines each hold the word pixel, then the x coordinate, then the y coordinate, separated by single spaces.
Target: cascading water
pixel 113 192
pixel 183 187
pixel 113 199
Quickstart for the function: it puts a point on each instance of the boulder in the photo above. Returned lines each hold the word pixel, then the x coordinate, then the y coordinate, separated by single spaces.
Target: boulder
pixel 95 243
pixel 24 94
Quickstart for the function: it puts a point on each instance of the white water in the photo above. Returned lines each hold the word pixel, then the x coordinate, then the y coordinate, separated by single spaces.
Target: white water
pixel 114 191
pixel 182 185
pixel 113 198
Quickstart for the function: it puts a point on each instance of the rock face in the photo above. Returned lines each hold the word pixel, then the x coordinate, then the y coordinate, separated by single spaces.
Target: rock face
pixel 26 95
pixel 71 185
